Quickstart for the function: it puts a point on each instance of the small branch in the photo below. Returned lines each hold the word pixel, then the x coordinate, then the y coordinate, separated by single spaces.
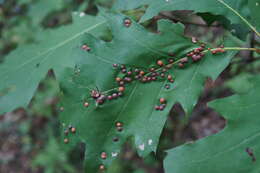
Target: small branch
pixel 179 60
pixel 242 48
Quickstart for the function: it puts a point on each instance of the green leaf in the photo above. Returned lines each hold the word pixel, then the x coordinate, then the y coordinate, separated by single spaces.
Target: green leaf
pixel 20 33
pixel 240 83
pixel 44 98
pixel 134 47
pixel 230 150
pixel 236 11
pixel 217 7
pixel 53 158
pixel 238 30
pixel 254 6
pixel 128 5
pixel 25 67
pixel 80 71
pixel 41 8
pixel 21 2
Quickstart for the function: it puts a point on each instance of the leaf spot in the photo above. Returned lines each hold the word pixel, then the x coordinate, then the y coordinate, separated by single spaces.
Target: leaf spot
pixel 141 147
pixel 114 154
pixel 251 154
pixel 127 22
pixel 61 109
pixel 150 141
pixel 82 14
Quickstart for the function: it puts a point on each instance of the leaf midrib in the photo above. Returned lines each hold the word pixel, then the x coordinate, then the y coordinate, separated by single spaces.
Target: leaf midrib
pixel 57 46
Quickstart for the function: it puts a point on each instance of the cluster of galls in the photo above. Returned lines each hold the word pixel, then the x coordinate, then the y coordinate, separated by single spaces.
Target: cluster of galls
pixel 67 131
pixel 162 105
pixel 101 98
pixel 197 53
pixel 128 75
pixel 144 75
pixel 103 155
pixel 119 126
pixel 218 50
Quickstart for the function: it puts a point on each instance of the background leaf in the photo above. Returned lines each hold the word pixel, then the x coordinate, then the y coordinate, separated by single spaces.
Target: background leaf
pixel 41 8
pixel 25 67
pixel 215 7
pixel 53 158
pixel 254 6
pixel 212 6
pixel 235 149
pixel 240 83
pixel 128 5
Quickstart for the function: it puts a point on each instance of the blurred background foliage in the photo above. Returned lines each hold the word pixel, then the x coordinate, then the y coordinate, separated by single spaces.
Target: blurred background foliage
pixel 30 139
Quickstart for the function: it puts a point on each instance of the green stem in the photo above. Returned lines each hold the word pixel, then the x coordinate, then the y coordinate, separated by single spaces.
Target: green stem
pixel 242 48
pixel 242 18
pixel 239 48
